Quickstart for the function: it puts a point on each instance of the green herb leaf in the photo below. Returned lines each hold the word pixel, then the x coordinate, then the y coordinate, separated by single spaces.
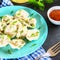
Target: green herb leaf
pixel 11 12
pixel 32 25
pixel 1 17
pixel 39 28
pixel 32 1
pixel 32 14
pixel 9 36
pixel 33 35
pixel 40 3
pixel 33 45
pixel 49 1
pixel 9 51
pixel 21 32
pixel 14 22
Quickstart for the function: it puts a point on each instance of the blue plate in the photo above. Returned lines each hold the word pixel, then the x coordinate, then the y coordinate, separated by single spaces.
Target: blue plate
pixel 30 46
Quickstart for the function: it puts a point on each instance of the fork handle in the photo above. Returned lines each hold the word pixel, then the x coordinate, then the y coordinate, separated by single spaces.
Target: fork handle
pixel 45 55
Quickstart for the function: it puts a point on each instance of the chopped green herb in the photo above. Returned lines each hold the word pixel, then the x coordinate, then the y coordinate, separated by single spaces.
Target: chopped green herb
pixel 26 21
pixel 1 17
pixel 32 25
pixel 39 28
pixel 14 38
pixel 9 36
pixel 18 14
pixel 30 28
pixel 33 45
pixel 37 33
pixel 14 22
pixel 4 27
pixel 9 51
pixel 32 14
pixel 11 12
pixel 21 31
pixel 33 35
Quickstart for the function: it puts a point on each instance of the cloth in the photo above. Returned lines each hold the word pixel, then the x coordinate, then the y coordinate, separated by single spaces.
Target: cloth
pixel 32 56
pixel 6 3
pixel 35 54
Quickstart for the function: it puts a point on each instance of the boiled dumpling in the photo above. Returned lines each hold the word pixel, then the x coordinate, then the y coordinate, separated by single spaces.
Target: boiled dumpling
pixel 32 34
pixel 22 31
pixel 24 21
pixel 10 30
pixel 2 26
pixel 17 43
pixel 16 22
pixel 13 29
pixel 4 40
pixel 22 13
pixel 32 23
pixel 7 19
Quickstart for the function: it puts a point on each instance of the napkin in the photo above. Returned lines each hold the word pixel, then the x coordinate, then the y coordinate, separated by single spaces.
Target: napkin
pixel 35 54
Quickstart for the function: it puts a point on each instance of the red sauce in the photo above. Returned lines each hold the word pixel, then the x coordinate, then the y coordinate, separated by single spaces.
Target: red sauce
pixel 55 15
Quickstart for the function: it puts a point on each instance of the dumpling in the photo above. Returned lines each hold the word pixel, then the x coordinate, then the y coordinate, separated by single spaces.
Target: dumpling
pixel 11 30
pixel 7 19
pixel 22 31
pixel 4 40
pixel 2 26
pixel 32 34
pixel 24 22
pixel 32 23
pixel 17 43
pixel 16 22
pixel 22 13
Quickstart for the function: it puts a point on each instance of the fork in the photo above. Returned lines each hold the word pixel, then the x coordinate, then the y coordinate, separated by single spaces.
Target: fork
pixel 53 51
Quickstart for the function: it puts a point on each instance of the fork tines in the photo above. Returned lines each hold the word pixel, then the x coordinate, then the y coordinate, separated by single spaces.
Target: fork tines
pixel 56 47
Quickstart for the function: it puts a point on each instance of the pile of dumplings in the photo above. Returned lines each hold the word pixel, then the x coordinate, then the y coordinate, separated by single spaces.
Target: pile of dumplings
pixel 14 28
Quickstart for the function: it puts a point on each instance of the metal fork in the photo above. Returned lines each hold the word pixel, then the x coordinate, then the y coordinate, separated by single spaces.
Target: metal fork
pixel 53 51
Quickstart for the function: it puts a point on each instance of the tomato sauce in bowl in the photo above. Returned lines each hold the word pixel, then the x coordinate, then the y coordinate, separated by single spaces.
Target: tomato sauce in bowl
pixel 55 15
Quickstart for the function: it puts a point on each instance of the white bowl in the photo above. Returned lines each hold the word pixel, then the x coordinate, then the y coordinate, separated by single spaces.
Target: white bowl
pixel 50 19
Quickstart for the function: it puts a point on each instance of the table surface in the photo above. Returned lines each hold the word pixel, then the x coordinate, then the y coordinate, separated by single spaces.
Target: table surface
pixel 54 31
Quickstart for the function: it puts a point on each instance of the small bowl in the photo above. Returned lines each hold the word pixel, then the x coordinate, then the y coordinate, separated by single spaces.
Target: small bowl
pixel 50 19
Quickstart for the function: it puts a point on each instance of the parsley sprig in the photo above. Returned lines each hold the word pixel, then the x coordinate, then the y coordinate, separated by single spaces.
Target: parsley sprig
pixel 40 3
